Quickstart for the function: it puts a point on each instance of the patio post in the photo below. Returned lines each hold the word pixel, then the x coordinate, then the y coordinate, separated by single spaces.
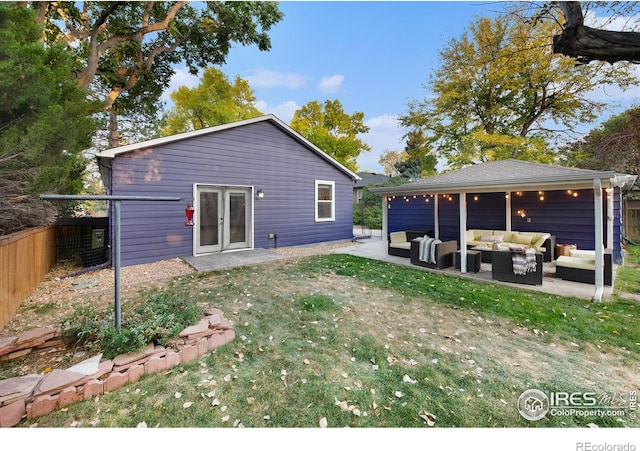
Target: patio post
pixel 436 217
pixel 507 202
pixel 385 227
pixel 463 231
pixel 598 238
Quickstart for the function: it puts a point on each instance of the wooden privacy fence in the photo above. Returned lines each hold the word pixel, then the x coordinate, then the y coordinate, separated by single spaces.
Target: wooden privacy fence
pixel 631 222
pixel 25 258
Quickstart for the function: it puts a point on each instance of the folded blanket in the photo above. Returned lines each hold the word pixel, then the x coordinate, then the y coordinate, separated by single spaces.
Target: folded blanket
pixel 427 249
pixel 523 259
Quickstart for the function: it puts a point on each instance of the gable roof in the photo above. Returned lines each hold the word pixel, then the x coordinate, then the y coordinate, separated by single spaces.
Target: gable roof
pixel 510 175
pixel 115 151
pixel 371 178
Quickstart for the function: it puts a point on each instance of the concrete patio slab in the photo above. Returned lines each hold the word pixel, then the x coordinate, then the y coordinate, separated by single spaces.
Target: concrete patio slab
pixel 226 260
pixel 373 248
pixel 368 244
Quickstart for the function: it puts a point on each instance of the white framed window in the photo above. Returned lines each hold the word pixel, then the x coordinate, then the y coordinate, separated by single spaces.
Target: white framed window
pixel 325 195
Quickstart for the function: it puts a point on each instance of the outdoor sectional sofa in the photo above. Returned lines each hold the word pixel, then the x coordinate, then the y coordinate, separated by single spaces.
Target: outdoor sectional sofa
pixel 506 238
pixel 580 266
pixel 399 243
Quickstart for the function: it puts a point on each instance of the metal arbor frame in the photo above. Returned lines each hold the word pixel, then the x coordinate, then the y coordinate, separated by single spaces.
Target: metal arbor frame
pixel 115 201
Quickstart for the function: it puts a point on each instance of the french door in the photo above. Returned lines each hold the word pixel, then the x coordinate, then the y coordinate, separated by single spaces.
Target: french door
pixel 223 218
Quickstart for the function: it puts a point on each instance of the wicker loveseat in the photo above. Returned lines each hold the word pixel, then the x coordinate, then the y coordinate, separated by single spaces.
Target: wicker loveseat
pixel 444 254
pixel 399 243
pixel 580 266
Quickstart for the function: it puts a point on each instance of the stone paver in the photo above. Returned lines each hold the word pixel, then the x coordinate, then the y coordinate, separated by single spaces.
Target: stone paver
pixel 17 387
pixel 57 380
pixel 36 336
pixel 40 394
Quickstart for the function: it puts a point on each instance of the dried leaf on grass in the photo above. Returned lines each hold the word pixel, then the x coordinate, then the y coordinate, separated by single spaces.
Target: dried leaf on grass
pixel 428 418
pixel 408 380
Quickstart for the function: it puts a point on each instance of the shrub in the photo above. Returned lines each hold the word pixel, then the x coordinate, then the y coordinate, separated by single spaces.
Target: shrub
pixel 160 316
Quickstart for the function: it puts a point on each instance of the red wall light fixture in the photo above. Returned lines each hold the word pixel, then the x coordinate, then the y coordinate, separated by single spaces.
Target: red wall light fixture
pixel 189 212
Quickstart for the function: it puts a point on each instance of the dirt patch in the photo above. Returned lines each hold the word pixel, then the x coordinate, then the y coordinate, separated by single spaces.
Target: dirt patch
pixel 58 296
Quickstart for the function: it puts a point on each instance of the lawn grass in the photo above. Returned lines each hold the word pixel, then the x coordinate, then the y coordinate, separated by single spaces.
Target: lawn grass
pixel 628 276
pixel 364 343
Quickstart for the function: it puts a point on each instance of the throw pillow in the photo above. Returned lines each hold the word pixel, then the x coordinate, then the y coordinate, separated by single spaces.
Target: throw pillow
pixel 487 238
pixel 498 238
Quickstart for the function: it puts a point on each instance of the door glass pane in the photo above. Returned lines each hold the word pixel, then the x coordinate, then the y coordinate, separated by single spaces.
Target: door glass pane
pixel 237 218
pixel 208 219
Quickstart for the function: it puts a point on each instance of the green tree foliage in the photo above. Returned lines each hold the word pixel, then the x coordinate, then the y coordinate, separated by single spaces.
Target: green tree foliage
pixel 368 212
pixel 44 121
pixel 332 130
pixel 214 101
pixel 388 161
pixel 128 50
pixel 419 161
pixel 614 146
pixel 500 93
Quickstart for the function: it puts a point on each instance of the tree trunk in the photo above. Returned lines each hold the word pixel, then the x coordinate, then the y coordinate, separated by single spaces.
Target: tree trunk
pixel 114 140
pixel 589 44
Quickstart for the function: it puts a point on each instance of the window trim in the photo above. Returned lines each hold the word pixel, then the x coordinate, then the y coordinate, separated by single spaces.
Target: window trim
pixel 332 184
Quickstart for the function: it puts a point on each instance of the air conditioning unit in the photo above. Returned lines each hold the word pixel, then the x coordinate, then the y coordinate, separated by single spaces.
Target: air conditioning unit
pixel 98 238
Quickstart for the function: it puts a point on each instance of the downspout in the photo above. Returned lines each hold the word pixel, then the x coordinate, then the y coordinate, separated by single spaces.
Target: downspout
pixel 110 212
pixel 610 216
pixel 599 246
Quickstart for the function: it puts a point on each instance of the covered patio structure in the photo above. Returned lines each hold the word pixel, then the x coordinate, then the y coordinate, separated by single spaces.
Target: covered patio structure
pixel 577 207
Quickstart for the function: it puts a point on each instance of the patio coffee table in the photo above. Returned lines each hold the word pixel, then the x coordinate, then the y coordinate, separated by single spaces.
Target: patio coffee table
pixel 502 269
pixel 485 253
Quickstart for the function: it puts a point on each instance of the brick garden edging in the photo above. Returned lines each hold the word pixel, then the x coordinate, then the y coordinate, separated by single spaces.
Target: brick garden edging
pixel 40 394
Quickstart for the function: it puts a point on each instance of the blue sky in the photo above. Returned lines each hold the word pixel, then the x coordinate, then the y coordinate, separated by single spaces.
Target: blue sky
pixel 373 56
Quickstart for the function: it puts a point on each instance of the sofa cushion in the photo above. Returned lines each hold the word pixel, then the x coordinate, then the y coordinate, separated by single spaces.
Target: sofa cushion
pixel 519 238
pixel 398 237
pixel 478 233
pixel 404 245
pixel 576 262
pixel 582 253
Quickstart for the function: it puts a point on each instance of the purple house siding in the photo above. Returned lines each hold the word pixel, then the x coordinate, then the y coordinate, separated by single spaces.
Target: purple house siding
pixel 487 212
pixel 259 154
pixel 409 213
pixel 569 218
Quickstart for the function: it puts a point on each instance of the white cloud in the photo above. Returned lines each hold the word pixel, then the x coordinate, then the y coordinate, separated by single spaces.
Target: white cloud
pixel 385 133
pixel 331 84
pixel 182 77
pixel 283 111
pixel 264 78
